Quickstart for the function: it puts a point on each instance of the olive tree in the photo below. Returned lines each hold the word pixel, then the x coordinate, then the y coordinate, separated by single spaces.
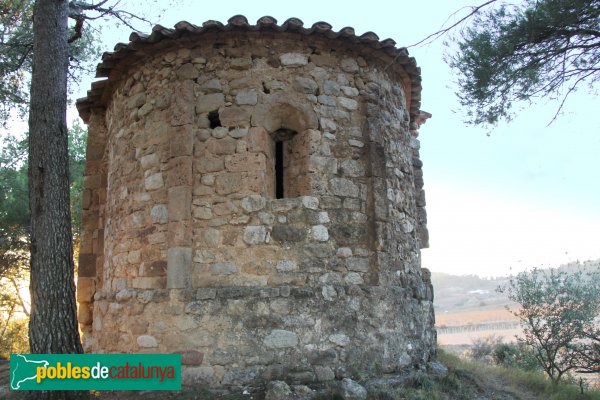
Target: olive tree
pixel 558 312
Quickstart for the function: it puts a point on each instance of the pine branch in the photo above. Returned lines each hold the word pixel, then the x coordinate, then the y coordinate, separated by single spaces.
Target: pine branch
pixel 474 10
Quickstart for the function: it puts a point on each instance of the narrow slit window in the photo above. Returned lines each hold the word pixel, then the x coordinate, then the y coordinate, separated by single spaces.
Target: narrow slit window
pixel 279 179
pixel 287 176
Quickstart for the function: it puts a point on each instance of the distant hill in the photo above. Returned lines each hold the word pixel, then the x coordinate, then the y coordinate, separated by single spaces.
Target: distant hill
pixel 454 293
pixel 458 293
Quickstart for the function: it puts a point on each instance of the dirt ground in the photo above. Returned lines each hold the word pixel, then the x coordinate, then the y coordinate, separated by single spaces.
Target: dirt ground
pixel 473 317
pixel 467 338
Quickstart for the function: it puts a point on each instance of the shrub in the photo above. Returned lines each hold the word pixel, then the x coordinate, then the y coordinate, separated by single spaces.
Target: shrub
pixel 482 348
pixel 515 355
pixel 558 311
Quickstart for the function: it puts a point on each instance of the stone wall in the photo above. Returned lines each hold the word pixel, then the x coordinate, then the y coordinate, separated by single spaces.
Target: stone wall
pixel 245 335
pixel 186 246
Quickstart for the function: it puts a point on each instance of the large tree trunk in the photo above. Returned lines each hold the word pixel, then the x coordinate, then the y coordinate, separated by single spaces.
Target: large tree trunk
pixel 53 322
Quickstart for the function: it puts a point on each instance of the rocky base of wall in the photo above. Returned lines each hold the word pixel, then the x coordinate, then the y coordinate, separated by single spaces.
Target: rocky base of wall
pixel 236 336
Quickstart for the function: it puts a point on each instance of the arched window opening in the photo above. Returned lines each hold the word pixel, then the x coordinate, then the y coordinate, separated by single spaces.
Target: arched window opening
pixel 290 164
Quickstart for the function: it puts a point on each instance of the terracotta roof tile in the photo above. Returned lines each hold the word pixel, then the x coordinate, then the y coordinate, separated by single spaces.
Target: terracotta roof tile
pixel 122 51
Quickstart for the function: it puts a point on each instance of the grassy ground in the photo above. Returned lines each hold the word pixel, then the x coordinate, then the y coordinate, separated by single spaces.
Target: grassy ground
pixel 466 380
pixel 475 380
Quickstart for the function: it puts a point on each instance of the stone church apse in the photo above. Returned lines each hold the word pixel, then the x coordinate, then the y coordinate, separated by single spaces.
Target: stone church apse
pixel 254 201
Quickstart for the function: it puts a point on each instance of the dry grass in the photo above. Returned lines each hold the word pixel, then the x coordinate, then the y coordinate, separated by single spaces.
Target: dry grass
pixel 515 383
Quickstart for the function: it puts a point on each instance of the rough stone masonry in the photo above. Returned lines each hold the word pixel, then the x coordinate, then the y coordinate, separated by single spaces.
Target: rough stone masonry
pixel 253 200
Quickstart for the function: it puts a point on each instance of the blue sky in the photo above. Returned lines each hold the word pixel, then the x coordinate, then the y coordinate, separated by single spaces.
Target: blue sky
pixel 525 196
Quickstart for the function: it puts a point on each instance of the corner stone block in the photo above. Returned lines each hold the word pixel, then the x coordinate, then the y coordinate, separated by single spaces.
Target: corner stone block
pixel 182 141
pixel 246 162
pixel 254 181
pixel 258 141
pixel 95 152
pixel 87 199
pixel 179 234
pixel 180 172
pixel 180 203
pixel 179 262
pixel 92 181
pixel 86 287
pixel 84 314
pixel 87 265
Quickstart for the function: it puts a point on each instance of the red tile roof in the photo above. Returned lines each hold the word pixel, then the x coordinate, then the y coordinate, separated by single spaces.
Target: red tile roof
pixel 239 23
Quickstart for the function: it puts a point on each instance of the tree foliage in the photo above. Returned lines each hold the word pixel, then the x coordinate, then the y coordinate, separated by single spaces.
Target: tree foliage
pixel 16 51
pixel 14 232
pixel 14 246
pixel 14 211
pixel 77 148
pixel 558 315
pixel 523 52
